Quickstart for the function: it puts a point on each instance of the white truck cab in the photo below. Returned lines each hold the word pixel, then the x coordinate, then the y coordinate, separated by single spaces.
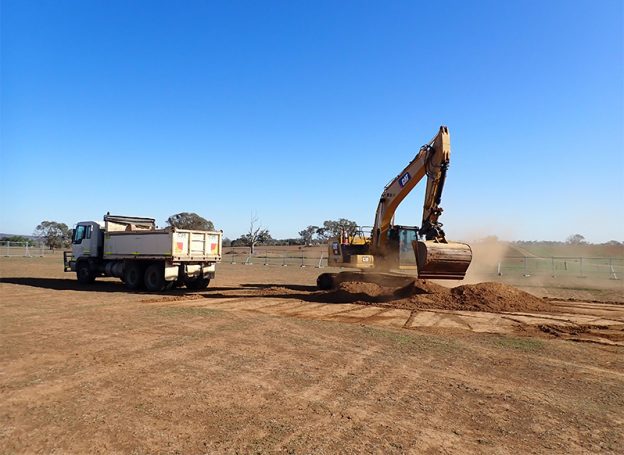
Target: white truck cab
pixel 87 239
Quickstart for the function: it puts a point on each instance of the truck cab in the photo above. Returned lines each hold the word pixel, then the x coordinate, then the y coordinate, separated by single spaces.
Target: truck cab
pixel 87 240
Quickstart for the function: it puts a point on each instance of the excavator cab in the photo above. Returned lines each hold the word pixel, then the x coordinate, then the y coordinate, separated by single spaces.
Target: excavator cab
pixel 435 259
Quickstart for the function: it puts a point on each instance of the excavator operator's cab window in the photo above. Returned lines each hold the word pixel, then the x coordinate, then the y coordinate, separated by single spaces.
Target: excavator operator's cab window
pixel 406 250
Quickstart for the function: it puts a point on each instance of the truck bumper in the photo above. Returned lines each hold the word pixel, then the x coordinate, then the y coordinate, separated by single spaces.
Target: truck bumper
pixel 190 271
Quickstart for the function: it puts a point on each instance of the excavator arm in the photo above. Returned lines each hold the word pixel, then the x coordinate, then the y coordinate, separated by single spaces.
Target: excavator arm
pixel 435 256
pixel 432 161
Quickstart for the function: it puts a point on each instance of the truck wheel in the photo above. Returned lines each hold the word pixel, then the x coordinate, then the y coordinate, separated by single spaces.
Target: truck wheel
pixel 155 278
pixel 133 276
pixel 84 273
pixel 198 284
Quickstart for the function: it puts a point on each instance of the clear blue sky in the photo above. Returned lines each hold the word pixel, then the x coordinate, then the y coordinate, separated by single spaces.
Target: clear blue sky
pixel 302 112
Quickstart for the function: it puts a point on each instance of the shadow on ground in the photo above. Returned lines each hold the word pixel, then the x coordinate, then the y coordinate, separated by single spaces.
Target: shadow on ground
pixel 66 284
pixel 251 290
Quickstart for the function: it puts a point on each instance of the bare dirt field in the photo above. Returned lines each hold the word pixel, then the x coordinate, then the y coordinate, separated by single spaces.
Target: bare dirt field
pixel 262 362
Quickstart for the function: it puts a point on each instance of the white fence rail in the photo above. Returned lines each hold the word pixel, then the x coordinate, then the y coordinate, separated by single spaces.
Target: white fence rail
pixel 518 266
pixel 23 249
pixel 562 266
pixel 283 259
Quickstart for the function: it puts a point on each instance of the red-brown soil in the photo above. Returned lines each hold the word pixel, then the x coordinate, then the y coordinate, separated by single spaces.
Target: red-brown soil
pixel 255 365
pixel 423 294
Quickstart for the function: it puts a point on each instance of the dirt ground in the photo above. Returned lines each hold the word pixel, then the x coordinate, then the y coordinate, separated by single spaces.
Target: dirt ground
pixel 260 363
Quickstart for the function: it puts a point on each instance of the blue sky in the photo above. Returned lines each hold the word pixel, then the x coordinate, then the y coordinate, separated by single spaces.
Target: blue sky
pixel 301 112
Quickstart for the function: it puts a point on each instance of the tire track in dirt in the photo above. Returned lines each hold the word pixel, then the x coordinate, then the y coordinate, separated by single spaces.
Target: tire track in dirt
pixel 385 316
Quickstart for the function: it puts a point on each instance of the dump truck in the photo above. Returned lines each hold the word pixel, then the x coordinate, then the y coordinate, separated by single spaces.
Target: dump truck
pixel 133 249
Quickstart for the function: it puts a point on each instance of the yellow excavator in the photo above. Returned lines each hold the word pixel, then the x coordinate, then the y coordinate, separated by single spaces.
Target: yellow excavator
pixel 377 253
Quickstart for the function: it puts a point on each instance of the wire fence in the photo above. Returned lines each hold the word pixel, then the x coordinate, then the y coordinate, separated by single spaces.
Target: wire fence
pixel 23 249
pixel 283 259
pixel 562 266
pixel 517 266
pixel 510 266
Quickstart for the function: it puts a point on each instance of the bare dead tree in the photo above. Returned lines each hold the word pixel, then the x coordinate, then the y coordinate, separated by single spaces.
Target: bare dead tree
pixel 256 234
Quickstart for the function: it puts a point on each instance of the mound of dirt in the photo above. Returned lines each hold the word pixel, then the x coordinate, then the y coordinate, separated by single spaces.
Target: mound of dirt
pixel 491 296
pixel 423 294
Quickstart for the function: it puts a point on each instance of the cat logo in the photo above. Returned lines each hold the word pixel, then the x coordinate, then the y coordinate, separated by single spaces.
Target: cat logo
pixel 404 179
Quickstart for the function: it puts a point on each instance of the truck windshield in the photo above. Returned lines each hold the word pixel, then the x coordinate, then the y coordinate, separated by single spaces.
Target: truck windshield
pixel 79 234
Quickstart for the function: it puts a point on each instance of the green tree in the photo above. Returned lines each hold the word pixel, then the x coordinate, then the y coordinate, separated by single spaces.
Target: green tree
pixel 53 234
pixel 335 228
pixel 576 239
pixel 190 220
pixel 307 234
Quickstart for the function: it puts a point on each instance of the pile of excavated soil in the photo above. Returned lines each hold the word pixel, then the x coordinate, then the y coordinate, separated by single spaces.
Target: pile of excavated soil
pixel 423 294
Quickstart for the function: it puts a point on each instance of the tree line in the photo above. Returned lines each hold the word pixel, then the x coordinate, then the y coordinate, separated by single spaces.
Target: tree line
pixel 58 235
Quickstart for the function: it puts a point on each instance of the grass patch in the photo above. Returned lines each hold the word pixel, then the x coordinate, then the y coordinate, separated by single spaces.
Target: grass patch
pixel 520 344
pixel 410 340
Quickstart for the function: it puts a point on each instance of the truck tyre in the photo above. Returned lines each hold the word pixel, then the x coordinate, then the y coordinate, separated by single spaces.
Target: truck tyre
pixel 155 277
pixel 133 276
pixel 198 284
pixel 84 274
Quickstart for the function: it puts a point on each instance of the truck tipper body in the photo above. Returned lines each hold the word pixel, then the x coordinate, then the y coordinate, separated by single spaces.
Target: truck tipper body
pixel 133 249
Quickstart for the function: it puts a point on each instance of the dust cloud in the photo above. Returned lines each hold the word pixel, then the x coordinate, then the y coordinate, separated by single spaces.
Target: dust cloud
pixel 486 255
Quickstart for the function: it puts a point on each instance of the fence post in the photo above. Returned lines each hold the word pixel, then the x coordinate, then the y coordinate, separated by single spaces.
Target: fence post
pixel 233 258
pixel 266 257
pixel 284 261
pixel 302 257
pixel 8 253
pixel 581 262
pixel 526 267
pixel 320 262
pixel 613 276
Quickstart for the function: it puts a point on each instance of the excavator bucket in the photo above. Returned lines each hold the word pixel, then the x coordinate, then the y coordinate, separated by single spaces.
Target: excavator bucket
pixel 442 261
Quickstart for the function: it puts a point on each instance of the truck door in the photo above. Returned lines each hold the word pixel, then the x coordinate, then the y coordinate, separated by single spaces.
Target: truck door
pixel 85 241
